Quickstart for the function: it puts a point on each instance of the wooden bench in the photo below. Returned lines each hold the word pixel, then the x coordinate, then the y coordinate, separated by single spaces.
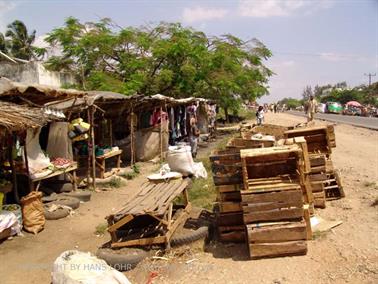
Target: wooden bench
pixel 101 162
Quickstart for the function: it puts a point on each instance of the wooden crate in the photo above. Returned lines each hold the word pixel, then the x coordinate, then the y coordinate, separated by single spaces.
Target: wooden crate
pixel 276 239
pixel 226 167
pixel 317 138
pixel 277 131
pixel 268 250
pixel 230 219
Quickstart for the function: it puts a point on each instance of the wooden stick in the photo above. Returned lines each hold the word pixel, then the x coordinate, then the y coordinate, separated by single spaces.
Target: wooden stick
pixel 89 150
pixel 161 133
pixel 92 111
pixel 132 135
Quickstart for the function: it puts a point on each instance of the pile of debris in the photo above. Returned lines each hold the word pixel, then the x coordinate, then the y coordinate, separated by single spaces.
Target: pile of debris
pixel 267 189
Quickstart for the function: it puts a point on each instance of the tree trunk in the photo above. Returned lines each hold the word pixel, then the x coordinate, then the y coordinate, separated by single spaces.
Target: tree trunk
pixel 226 115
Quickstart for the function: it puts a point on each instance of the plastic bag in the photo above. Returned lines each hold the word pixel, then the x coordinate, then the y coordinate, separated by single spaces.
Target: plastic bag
pixel 199 170
pixel 76 267
pixel 33 212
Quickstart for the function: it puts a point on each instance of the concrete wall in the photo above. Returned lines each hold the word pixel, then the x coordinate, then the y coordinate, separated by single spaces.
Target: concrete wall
pixel 34 73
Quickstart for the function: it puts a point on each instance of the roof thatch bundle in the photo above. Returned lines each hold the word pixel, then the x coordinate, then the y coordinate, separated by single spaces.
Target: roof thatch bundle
pixel 34 93
pixel 16 118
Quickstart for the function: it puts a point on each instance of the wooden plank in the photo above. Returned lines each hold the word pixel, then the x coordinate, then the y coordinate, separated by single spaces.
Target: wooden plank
pixel 317 160
pixel 318 177
pixel 247 208
pixel 320 203
pixel 225 207
pixel 273 215
pixel 338 180
pixel 229 188
pixel 307 208
pixel 306 159
pixel 317 186
pixel 232 236
pixel 269 151
pixel 140 242
pixel 277 249
pixel 120 223
pixel 293 231
pixel 223 229
pixel 274 187
pixel 229 196
pixel 282 196
pixel 230 219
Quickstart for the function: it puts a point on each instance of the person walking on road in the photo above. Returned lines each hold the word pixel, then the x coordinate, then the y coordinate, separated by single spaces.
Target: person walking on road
pixel 311 109
pixel 260 115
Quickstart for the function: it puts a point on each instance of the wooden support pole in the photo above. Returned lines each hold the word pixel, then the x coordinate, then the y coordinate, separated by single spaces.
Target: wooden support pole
pixel 132 150
pixel 111 132
pixel 161 133
pixel 89 150
pixel 93 154
pixel 14 176
pixel 31 185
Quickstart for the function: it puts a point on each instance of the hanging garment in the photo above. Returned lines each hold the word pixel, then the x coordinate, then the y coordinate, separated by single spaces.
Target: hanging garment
pixel 59 144
pixel 36 158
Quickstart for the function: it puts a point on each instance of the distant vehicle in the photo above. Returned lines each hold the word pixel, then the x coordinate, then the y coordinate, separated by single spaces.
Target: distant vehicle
pixel 322 108
pixel 334 107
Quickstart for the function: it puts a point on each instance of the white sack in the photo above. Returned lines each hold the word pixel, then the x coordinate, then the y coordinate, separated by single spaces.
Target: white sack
pixel 76 267
pixel 180 159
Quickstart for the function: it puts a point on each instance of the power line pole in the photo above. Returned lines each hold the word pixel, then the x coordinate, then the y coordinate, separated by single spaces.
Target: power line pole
pixel 370 75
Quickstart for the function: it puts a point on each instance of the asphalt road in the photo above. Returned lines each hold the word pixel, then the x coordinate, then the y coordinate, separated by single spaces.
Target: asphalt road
pixel 366 122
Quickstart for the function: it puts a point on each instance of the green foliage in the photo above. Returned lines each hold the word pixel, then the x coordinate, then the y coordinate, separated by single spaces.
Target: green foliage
pixel 167 58
pixel 291 103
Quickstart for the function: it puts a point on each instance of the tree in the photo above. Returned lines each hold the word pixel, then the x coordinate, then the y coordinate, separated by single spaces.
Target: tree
pixel 167 58
pixel 20 42
pixel 2 43
pixel 307 92
pixel 290 103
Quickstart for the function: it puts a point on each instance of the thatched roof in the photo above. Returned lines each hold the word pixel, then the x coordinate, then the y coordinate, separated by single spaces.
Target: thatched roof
pixel 34 93
pixel 16 118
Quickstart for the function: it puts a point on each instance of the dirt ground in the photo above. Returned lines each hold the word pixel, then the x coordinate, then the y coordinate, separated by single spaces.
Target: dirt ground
pixel 346 254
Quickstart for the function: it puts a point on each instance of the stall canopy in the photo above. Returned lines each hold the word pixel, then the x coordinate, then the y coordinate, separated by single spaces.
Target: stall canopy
pixel 353 104
pixel 14 118
pixel 34 94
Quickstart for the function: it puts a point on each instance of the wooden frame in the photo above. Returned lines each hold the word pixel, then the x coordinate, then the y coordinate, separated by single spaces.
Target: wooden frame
pixel 164 217
pixel 101 165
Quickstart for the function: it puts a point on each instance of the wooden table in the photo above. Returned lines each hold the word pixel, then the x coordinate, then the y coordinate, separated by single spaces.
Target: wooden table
pixel 70 171
pixel 100 161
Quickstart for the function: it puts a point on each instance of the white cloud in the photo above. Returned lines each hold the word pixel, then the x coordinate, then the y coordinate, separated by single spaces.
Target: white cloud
pixel 197 14
pixel 5 7
pixel 280 8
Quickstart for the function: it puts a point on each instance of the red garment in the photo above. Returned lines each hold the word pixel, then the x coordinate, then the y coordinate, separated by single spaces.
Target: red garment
pixel 157 117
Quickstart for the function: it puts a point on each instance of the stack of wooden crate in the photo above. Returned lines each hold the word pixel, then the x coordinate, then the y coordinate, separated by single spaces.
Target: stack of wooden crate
pixel 227 176
pixel 273 197
pixel 325 181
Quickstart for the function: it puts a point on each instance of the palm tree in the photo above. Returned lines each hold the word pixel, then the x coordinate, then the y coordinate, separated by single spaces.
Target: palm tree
pixel 2 43
pixel 20 41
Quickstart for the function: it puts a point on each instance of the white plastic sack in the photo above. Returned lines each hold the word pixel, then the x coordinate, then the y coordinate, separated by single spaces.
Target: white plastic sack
pixel 76 267
pixel 180 159
pixel 199 170
pixel 9 220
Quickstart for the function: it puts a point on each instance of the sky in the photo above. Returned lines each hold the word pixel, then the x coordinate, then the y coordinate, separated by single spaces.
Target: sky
pixel 313 42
